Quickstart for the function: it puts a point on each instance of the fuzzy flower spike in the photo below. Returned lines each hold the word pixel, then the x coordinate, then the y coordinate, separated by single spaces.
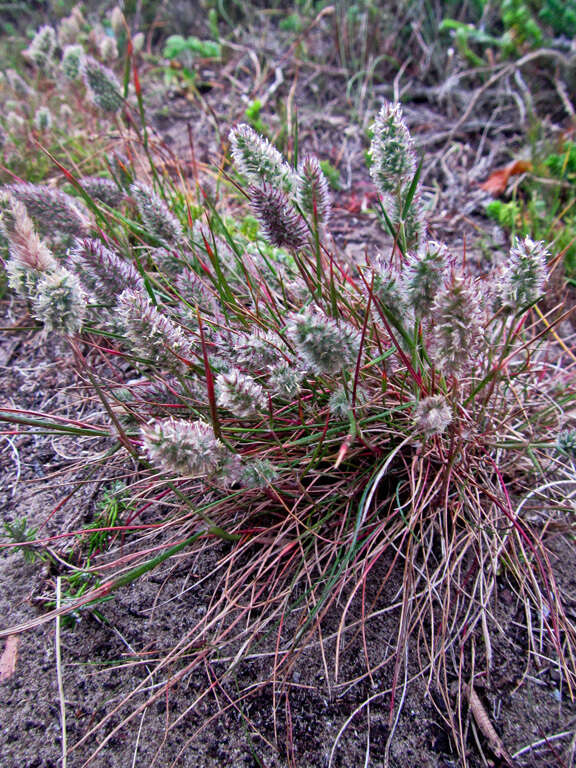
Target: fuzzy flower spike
pixel 259 161
pixel 182 447
pixel 392 150
pixel 524 280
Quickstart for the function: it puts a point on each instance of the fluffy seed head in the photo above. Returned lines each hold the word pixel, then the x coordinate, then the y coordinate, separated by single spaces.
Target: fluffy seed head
pixel 324 345
pixel 392 151
pixel 54 212
pixel 103 87
pixel 285 380
pixel 312 191
pixel 259 350
pixel 107 48
pixel 281 225
pixel 424 275
pixel 72 59
pixel 102 272
pixel 102 189
pixel 59 302
pixel 259 161
pixel 156 216
pixel 183 447
pixel 41 50
pixel 240 394
pixel 153 335
pixel 26 249
pixel 70 27
pixel 525 277
pixel 433 415
pixel 457 331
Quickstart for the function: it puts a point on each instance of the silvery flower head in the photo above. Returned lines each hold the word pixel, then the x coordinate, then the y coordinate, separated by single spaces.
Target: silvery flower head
pixel 260 162
pixel 103 273
pixel 284 380
pixel 103 86
pixel 156 216
pixel 524 278
pixel 260 349
pixel 387 286
pixel 107 48
pixel 392 151
pixel 457 331
pixel 183 447
pixel 324 345
pixel 433 415
pixel 154 336
pixel 41 50
pixel 282 226
pixel 71 64
pixel 59 302
pixel 240 394
pixel 424 275
pixel 312 191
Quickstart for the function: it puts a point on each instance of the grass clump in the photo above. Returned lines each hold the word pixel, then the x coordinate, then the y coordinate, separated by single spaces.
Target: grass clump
pixel 310 420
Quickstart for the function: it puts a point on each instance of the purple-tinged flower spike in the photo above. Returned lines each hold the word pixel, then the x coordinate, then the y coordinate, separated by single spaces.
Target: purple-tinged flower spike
pixel 240 394
pixel 457 331
pixel 59 302
pixel 433 415
pixel 54 211
pixel 392 151
pixel 324 345
pixel 260 349
pixel 156 216
pixel 312 192
pixel 258 474
pixel 103 87
pixel 259 161
pixel 183 448
pixel 41 50
pixel 524 279
pixel 102 272
pixel 424 275
pixel 25 247
pixel 153 335
pixel 102 189
pixel 281 225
